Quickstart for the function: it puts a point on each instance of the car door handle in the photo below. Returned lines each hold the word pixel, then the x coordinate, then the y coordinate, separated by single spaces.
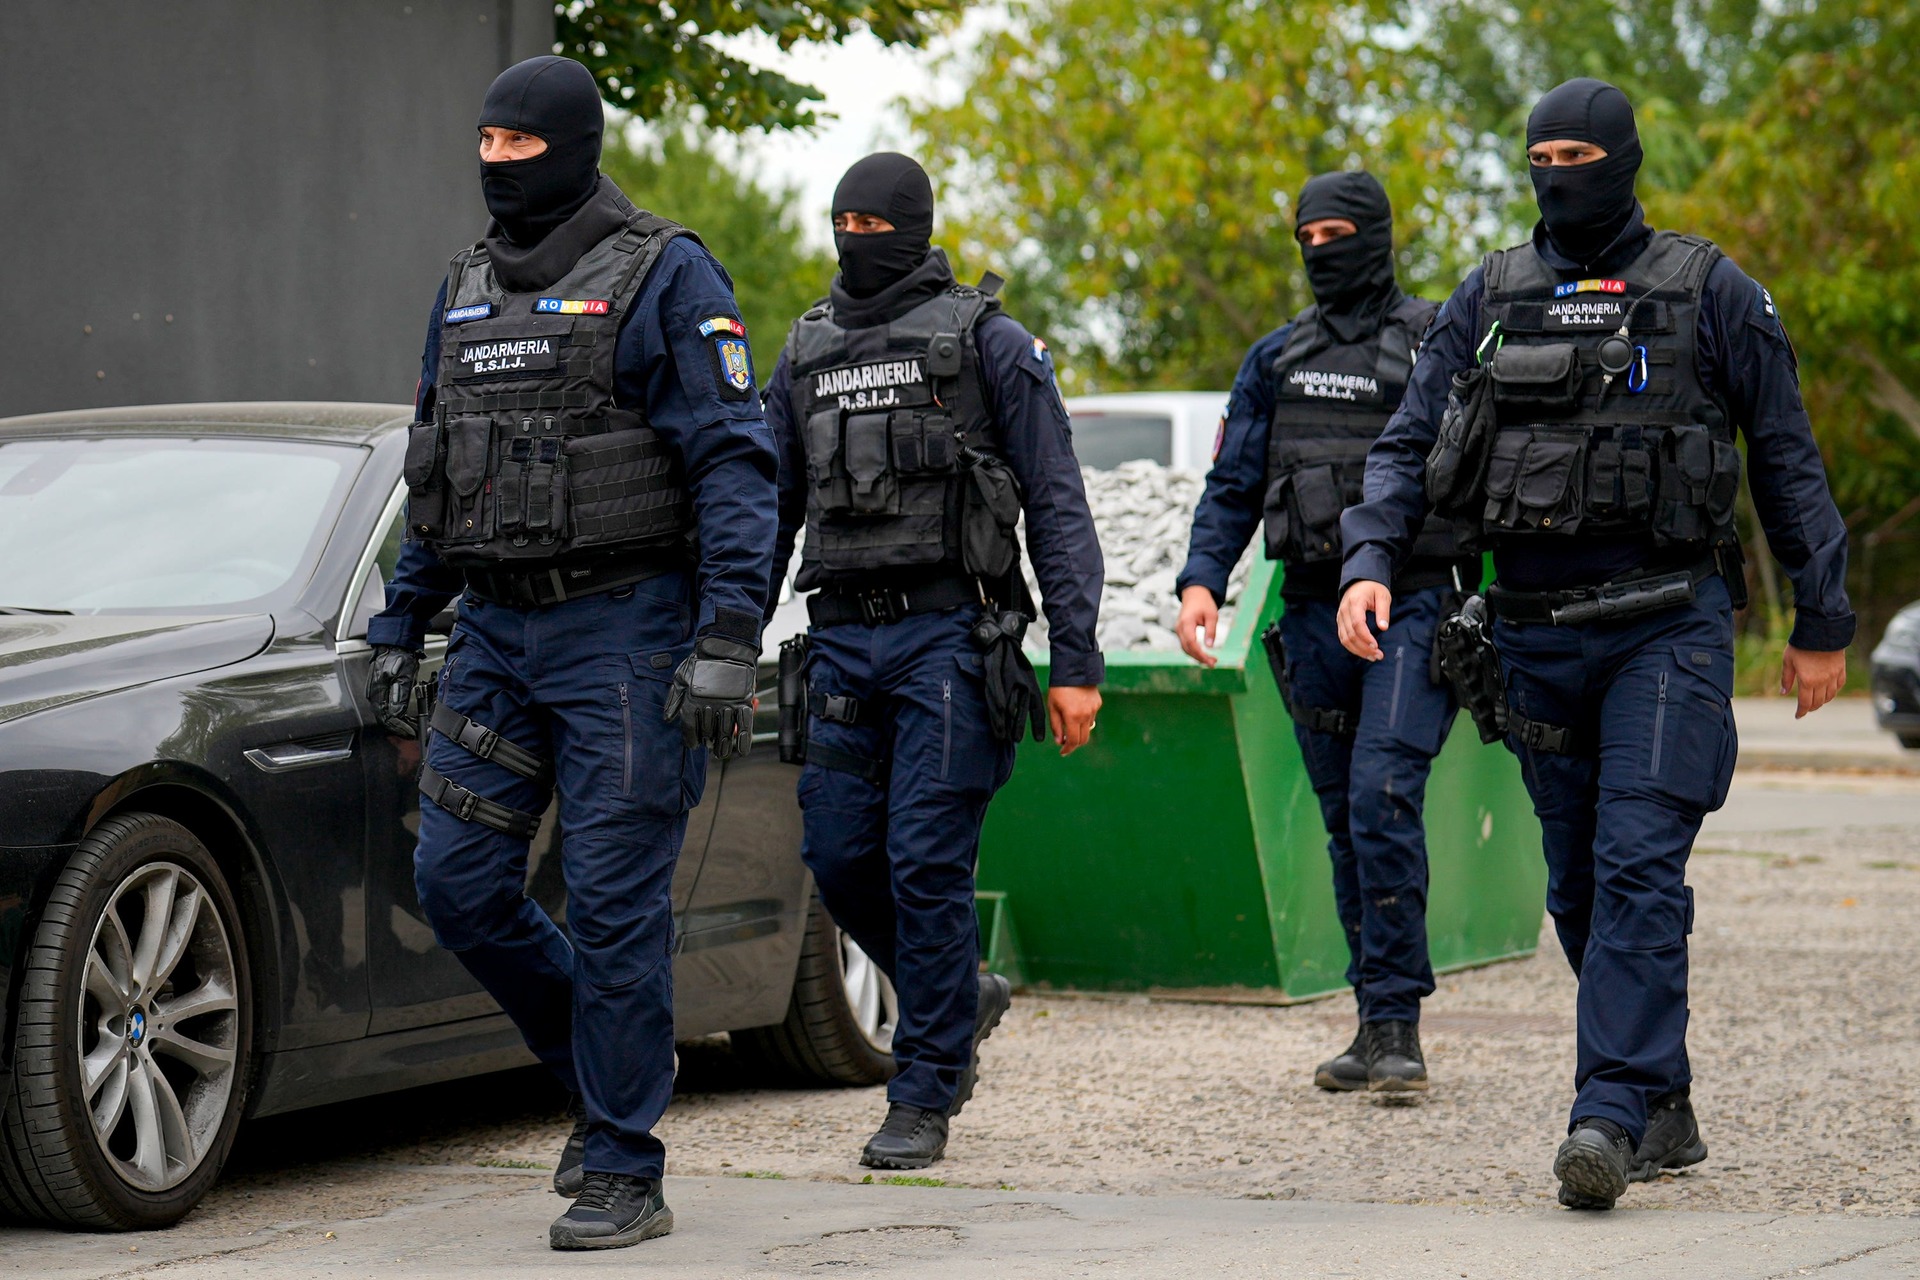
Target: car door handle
pixel 285 757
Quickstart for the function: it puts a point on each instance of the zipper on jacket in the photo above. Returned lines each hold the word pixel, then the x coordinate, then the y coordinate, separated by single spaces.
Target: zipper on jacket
pixel 946 725
pixel 626 743
pixel 1659 724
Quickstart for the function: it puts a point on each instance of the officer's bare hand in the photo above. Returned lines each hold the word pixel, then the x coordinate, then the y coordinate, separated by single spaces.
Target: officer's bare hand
pixel 1071 709
pixel 1198 613
pixel 1364 598
pixel 1818 674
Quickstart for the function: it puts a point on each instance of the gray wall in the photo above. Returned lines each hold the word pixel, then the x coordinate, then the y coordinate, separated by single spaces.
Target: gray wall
pixel 240 199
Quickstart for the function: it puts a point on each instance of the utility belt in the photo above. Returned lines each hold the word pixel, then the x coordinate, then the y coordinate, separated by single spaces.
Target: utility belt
pixel 881 606
pixel 1631 596
pixel 537 588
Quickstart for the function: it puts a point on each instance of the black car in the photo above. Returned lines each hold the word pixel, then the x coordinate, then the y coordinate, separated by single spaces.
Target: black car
pixel 207 908
pixel 1896 677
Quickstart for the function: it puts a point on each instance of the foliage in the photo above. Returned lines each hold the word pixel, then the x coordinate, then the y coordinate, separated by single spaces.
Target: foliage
pixel 657 58
pixel 752 231
pixel 1131 164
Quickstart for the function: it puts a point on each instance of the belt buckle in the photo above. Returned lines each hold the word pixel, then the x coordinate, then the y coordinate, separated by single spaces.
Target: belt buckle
pixel 841 708
pixel 880 606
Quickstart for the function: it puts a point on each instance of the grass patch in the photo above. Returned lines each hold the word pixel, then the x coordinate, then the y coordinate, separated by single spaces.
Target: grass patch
pixel 755 1173
pixel 902 1180
pixel 512 1164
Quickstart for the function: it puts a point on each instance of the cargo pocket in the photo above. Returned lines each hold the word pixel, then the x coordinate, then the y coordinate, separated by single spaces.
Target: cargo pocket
pixel 619 486
pixel 426 479
pixel 868 462
pixel 1318 499
pixel 1694 742
pixel 1275 512
pixel 662 777
pixel 1503 473
pixel 469 504
pixel 922 442
pixel 1544 493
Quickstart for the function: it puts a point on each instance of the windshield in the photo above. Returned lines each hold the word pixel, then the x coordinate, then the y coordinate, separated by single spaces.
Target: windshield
pixel 1104 440
pixel 163 524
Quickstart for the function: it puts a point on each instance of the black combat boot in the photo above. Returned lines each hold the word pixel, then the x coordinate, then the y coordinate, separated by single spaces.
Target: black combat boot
pixel 1673 1138
pixel 996 994
pixel 614 1210
pixel 1395 1064
pixel 1592 1164
pixel 571 1172
pixel 1348 1071
pixel 911 1138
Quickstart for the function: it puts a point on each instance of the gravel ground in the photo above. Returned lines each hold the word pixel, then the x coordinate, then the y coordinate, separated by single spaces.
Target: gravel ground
pixel 1805 1028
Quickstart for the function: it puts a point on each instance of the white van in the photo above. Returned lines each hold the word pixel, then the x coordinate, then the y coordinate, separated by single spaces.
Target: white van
pixel 1173 428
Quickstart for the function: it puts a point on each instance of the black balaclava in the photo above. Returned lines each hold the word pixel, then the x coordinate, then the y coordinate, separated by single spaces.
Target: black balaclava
pixel 891 186
pixel 555 99
pixel 1585 207
pixel 1352 277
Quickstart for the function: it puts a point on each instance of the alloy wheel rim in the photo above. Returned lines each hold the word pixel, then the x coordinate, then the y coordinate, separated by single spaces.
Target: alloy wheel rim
pixel 876 1009
pixel 159 1027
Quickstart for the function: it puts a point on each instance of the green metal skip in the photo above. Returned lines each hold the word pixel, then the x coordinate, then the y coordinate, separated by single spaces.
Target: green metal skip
pixel 1182 850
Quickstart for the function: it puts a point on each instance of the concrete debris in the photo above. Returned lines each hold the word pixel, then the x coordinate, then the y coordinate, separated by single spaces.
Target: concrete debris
pixel 1144 514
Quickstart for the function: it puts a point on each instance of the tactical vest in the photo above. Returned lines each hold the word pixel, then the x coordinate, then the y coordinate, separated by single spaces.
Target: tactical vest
pixel 526 459
pixel 898 441
pixel 1647 450
pixel 1332 401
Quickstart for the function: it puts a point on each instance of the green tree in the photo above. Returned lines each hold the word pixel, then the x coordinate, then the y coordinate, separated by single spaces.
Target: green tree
pixel 656 58
pixel 1131 165
pixel 754 232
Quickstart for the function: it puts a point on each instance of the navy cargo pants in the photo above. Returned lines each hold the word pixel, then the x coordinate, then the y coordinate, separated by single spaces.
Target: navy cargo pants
pixel 581 684
pixel 1651 697
pixel 1372 788
pixel 894 855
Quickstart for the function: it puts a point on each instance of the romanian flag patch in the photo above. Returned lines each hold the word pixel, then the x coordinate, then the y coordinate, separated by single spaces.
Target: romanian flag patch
pixel 572 306
pixel 722 324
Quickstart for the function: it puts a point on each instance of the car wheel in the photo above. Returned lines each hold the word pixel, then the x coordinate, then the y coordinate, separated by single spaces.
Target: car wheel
pixel 840 1019
pixel 131 1049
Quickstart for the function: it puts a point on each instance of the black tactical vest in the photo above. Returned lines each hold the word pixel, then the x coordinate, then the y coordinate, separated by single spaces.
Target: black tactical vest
pixel 1333 399
pixel 1647 451
pixel 526 460
pixel 886 413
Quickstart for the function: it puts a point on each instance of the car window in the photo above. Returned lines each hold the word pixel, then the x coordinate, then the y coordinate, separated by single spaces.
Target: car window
pixel 161 524
pixel 1104 440
pixel 373 597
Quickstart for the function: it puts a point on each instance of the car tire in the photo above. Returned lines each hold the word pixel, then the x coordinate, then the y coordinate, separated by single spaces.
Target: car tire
pixel 840 1018
pixel 133 1044
pixel 1911 741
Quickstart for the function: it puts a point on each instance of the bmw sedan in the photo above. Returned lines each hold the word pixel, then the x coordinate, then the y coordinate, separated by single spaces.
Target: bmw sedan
pixel 207 908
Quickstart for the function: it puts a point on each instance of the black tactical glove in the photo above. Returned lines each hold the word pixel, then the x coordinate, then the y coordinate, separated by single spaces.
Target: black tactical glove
pixel 1014 700
pixel 712 695
pixel 390 688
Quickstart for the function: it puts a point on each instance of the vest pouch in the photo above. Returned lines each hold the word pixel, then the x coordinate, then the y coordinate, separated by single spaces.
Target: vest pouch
pixel 530 486
pixel 469 515
pixel 922 442
pixel 1619 482
pixel 990 511
pixel 823 460
pixel 1531 482
pixel 1457 464
pixel 1542 378
pixel 867 458
pixel 1724 486
pixel 426 480
pixel 1318 497
pixel 619 486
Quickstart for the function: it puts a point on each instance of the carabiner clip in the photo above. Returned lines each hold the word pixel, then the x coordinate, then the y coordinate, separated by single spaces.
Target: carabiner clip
pixel 1637 371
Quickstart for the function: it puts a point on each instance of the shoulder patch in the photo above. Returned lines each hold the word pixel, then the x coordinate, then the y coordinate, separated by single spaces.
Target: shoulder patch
pixel 722 324
pixel 731 357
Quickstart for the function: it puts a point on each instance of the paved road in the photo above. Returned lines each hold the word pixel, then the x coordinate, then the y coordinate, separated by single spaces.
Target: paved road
pixel 1172 1140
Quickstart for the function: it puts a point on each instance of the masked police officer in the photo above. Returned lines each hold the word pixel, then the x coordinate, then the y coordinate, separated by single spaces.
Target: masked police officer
pixel 1608 366
pixel 587 414
pixel 916 422
pixel 1309 400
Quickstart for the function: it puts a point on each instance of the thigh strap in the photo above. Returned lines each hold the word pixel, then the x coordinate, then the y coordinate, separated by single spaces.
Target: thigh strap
pixel 468 733
pixel 471 806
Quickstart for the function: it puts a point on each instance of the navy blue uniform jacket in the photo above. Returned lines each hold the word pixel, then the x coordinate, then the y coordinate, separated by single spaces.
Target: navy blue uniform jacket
pixel 1025 404
pixel 1744 357
pixel 661 364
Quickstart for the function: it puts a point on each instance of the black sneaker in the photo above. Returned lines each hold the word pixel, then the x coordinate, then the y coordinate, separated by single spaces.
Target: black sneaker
pixel 996 994
pixel 1592 1164
pixel 1395 1064
pixel 1348 1071
pixel 1673 1138
pixel 570 1174
pixel 614 1210
pixel 911 1138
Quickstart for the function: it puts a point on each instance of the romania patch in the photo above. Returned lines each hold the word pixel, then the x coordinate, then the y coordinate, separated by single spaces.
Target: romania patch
pixel 477 311
pixel 722 324
pixel 1572 287
pixel 573 306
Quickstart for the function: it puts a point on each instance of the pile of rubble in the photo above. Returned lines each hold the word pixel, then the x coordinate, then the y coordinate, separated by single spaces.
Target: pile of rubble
pixel 1144 514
